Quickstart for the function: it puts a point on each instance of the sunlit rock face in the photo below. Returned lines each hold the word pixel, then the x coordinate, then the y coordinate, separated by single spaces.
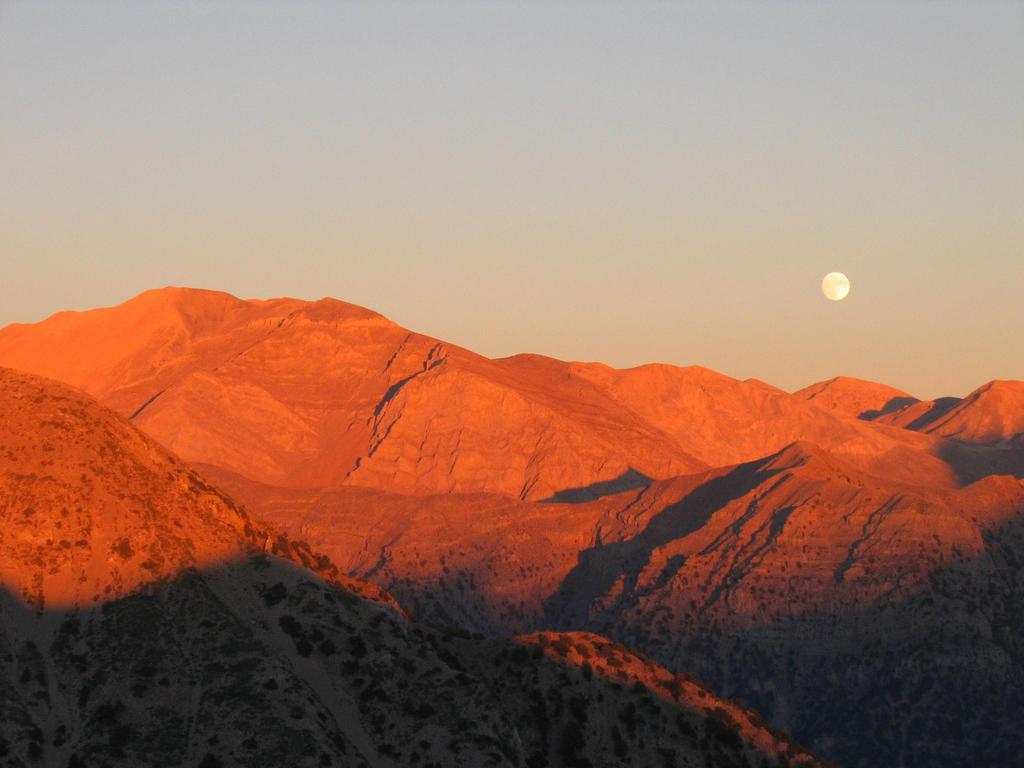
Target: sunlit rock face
pixel 990 415
pixel 174 629
pixel 861 399
pixel 325 394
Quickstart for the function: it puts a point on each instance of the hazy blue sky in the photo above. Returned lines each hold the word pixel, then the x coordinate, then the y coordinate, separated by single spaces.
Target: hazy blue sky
pixel 628 183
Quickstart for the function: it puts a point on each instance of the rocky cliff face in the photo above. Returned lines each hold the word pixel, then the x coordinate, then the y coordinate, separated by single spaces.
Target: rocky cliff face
pixel 149 620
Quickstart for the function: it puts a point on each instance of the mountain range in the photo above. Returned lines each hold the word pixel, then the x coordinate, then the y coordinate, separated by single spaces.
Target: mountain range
pixel 847 559
pixel 149 620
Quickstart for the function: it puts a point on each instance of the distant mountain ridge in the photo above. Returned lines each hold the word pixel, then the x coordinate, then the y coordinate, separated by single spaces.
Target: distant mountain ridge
pixel 993 414
pixel 325 394
pixel 856 397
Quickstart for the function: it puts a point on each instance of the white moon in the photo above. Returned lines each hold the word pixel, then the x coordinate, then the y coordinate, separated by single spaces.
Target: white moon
pixel 835 286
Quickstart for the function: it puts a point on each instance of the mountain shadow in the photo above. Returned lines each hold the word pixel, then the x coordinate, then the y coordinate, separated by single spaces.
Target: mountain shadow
pixel 895 404
pixel 627 481
pixel 599 567
pixel 939 408
pixel 972 462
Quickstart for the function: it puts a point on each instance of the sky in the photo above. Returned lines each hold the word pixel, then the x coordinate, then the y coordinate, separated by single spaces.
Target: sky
pixel 630 183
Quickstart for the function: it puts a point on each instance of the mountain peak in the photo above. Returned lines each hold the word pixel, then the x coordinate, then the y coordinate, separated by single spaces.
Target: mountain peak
pixel 854 397
pixel 992 414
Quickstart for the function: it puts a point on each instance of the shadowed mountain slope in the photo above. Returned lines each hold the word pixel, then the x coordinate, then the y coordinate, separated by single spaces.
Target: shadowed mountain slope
pixel 148 620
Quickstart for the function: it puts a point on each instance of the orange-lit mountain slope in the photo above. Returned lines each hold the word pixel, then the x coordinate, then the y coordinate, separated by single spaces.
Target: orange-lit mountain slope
pixel 725 421
pixel 856 397
pixel 324 394
pixel 991 414
pixel 147 621
pixel 94 509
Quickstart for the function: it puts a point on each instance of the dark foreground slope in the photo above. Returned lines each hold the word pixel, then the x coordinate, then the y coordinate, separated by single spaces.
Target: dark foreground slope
pixel 148 621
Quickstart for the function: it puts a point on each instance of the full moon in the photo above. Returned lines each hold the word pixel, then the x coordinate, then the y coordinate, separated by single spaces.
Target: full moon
pixel 835 286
